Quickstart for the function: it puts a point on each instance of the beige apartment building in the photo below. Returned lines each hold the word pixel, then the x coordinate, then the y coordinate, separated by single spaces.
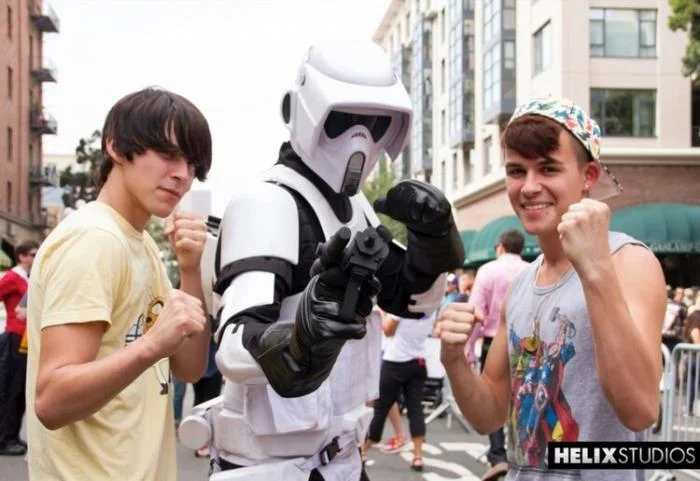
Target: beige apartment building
pixel 23 120
pixel 616 58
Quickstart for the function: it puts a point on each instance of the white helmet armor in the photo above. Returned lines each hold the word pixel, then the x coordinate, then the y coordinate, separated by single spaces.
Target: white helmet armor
pixel 347 108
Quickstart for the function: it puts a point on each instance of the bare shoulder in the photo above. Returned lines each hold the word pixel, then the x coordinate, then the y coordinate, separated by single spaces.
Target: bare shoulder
pixel 640 275
pixel 636 258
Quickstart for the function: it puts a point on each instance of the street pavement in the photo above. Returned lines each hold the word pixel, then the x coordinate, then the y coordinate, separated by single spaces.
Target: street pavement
pixel 450 453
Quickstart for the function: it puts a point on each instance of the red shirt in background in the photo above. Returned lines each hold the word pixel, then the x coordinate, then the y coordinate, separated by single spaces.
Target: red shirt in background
pixel 13 286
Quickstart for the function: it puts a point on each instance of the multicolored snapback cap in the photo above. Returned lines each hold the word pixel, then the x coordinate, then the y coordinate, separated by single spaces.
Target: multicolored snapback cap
pixel 582 127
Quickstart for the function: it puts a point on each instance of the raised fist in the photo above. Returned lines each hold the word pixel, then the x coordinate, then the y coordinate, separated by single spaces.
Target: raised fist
pixel 422 207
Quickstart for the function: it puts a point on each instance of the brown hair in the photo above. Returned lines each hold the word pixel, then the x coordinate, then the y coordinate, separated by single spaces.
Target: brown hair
pixel 534 137
pixel 25 247
pixel 144 120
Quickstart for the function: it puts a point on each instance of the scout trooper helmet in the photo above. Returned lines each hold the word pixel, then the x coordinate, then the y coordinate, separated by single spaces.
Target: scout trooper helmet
pixel 347 108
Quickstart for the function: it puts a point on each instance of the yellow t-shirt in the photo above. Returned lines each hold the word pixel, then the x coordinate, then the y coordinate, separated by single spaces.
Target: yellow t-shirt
pixel 95 266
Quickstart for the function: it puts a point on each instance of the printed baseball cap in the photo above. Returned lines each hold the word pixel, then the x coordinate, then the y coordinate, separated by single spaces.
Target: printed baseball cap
pixel 584 129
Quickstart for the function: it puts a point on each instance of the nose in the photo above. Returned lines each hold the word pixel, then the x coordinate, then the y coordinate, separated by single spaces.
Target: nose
pixel 532 184
pixel 181 169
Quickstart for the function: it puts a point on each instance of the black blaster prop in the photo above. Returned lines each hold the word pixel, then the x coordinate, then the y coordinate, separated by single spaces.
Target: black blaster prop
pixel 360 259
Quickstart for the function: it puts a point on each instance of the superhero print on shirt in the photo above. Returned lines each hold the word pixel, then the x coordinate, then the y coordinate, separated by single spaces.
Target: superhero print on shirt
pixel 540 412
pixel 140 327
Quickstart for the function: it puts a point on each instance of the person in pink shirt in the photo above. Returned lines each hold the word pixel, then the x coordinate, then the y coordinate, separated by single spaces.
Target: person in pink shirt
pixel 487 295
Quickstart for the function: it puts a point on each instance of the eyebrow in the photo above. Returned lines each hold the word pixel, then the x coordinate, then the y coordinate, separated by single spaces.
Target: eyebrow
pixel 544 161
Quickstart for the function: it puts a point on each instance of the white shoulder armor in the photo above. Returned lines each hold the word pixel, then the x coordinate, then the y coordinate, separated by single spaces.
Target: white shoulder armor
pixel 262 221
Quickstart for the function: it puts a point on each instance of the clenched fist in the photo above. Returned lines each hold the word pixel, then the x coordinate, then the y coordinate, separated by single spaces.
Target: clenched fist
pixel 187 234
pixel 454 328
pixel 182 317
pixel 583 232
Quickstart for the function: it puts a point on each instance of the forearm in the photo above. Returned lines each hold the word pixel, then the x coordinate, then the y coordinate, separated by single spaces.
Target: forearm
pixel 475 397
pixel 628 372
pixel 73 392
pixel 190 361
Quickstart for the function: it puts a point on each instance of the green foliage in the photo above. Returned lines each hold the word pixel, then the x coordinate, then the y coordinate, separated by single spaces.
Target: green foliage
pixel 378 187
pixel 685 16
pixel 80 183
pixel 155 227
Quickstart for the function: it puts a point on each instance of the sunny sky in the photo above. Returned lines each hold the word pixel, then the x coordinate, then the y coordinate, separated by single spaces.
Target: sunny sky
pixel 233 58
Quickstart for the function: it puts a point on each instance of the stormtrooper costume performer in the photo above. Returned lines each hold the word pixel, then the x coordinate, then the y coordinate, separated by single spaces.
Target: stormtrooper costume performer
pixel 297 378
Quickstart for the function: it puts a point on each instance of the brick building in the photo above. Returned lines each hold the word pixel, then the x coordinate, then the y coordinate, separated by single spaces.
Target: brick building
pixel 23 121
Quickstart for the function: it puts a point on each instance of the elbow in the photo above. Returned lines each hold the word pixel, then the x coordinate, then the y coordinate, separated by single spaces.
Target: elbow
pixel 638 412
pixel 46 413
pixel 190 374
pixel 641 418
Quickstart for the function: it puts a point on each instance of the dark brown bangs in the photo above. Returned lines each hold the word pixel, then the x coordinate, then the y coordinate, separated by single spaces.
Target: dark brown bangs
pixel 531 136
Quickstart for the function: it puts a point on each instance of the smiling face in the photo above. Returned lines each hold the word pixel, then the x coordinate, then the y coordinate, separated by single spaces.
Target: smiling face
pixel 545 175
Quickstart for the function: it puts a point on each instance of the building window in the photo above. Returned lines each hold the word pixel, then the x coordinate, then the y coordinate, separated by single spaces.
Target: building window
pixel 443 76
pixel 443 175
pixel 9 23
pixel 543 47
pixel 509 55
pixel 492 18
pixel 492 75
pixel 454 172
pixel 622 33
pixel 488 146
pixel 467 165
pixel 443 122
pixel 625 113
pixel 9 197
pixel 442 26
pixel 10 142
pixel 509 15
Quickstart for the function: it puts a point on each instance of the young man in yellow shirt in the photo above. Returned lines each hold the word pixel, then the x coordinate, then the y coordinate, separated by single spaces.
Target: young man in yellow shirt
pixel 105 326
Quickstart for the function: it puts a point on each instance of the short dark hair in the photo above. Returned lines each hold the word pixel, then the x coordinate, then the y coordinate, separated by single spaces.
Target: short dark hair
pixel 512 241
pixel 534 136
pixel 145 119
pixel 25 247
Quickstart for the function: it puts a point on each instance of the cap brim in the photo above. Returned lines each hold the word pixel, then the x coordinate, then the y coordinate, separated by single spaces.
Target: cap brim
pixel 608 185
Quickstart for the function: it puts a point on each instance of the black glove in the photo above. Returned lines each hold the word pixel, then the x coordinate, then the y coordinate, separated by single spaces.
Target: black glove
pixel 422 207
pixel 434 245
pixel 319 332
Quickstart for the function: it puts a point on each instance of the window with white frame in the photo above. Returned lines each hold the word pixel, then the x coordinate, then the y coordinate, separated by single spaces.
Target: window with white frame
pixel 622 33
pixel 543 48
pixel 624 112
pixel 509 55
pixel 492 75
pixel 492 18
pixel 488 147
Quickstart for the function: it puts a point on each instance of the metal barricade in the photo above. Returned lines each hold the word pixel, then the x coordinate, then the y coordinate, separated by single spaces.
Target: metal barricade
pixel 680 400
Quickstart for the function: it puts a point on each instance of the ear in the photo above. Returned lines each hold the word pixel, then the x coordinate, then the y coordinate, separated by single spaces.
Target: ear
pixel 591 174
pixel 116 158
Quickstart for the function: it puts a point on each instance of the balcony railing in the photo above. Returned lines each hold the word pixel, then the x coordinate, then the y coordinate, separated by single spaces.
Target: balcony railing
pixel 46 72
pixel 44 175
pixel 45 19
pixel 43 123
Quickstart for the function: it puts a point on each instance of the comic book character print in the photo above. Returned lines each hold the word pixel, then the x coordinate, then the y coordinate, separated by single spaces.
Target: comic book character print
pixel 140 327
pixel 540 412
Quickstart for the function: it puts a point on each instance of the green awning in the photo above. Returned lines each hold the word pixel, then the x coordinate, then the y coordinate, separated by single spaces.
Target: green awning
pixel 666 228
pixel 482 245
pixel 467 237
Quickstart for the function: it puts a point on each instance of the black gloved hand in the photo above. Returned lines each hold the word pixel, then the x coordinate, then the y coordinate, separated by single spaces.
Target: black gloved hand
pixel 422 207
pixel 319 333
